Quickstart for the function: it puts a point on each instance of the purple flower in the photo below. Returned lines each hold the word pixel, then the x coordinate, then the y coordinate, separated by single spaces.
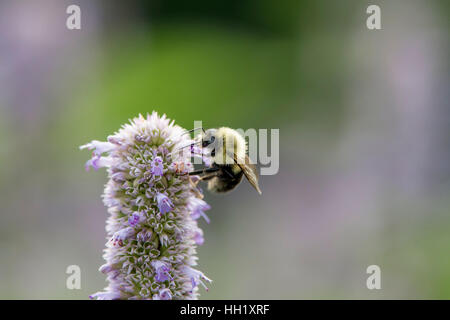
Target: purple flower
pixel 99 147
pixel 118 177
pixel 121 235
pixel 97 162
pixel 198 237
pixel 165 294
pixel 197 277
pixel 164 203
pixel 157 166
pixel 152 232
pixel 207 161
pixel 115 140
pixel 195 149
pixel 201 153
pixel 105 296
pixel 161 270
pixel 144 236
pixel 197 207
pixel 105 268
pixel 134 219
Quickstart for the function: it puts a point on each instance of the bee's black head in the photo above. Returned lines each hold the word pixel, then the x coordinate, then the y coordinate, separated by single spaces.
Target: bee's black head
pixel 208 137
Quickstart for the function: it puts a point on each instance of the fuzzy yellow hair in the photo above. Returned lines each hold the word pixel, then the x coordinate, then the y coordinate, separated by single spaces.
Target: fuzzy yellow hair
pixel 231 139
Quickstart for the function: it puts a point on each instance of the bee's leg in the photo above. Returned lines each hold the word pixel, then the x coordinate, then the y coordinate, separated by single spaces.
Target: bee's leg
pixel 203 171
pixel 207 176
pixel 204 175
pixel 195 189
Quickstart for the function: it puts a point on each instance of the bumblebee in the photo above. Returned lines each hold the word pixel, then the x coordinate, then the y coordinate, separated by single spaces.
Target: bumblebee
pixel 227 150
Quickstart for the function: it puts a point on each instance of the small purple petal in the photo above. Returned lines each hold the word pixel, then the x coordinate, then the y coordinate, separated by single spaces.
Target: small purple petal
pixel 161 270
pixel 118 177
pixel 105 296
pixel 164 203
pixel 98 147
pixel 165 294
pixel 98 162
pixel 207 161
pixel 157 167
pixel 198 237
pixel 197 277
pixel 120 236
pixel 144 235
pixel 134 219
pixel 197 207
pixel 105 268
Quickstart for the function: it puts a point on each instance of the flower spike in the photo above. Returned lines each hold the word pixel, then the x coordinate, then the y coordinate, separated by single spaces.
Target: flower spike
pixel 153 207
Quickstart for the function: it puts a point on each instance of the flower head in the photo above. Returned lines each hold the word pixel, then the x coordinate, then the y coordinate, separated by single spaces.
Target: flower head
pixel 153 207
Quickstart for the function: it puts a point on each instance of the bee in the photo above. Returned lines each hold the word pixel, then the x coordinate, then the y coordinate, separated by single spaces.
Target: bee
pixel 227 150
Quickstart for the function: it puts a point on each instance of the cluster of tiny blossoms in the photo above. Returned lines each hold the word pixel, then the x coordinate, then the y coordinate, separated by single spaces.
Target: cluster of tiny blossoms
pixel 153 207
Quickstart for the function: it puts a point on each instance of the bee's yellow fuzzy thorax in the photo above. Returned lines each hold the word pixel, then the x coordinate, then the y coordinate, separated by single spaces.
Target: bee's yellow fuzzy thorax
pixel 234 141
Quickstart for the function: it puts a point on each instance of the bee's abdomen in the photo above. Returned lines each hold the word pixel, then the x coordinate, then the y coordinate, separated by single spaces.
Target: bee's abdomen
pixel 227 180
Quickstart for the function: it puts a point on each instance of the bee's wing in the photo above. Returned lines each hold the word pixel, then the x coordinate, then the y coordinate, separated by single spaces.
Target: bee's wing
pixel 249 171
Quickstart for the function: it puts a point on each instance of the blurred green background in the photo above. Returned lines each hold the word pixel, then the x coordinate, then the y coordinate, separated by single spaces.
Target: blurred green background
pixel 364 129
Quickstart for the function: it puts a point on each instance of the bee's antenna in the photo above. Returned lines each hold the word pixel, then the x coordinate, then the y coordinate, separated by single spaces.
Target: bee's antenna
pixel 191 130
pixel 192 144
